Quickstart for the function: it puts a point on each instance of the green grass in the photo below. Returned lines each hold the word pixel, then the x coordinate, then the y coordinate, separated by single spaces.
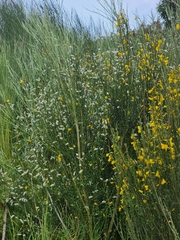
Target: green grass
pixel 89 128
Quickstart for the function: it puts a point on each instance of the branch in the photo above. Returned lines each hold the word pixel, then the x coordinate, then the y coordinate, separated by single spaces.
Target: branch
pixel 4 224
pixel 59 217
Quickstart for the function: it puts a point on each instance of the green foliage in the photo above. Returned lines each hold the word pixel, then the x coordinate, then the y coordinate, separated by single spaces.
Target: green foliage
pixel 12 15
pixel 169 10
pixel 89 129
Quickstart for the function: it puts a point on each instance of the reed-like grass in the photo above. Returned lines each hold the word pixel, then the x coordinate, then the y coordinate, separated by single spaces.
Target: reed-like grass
pixel 89 130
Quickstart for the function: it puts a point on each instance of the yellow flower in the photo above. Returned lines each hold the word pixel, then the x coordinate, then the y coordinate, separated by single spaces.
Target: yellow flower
pixel 138 54
pixel 8 101
pixel 177 27
pixel 69 129
pixel 121 191
pixel 152 124
pixel 108 63
pixel 120 209
pixel 113 162
pixel 159 45
pixel 59 158
pixel 124 41
pixel 139 129
pixel 166 60
pixel 151 90
pixel 120 54
pixel 161 56
pixel 164 146
pixel 157 174
pixel 37 208
pixel 134 145
pixel 29 140
pixel 163 181
pixel 150 161
pixel 140 67
pixel 147 37
pixel 21 81
pixel 139 172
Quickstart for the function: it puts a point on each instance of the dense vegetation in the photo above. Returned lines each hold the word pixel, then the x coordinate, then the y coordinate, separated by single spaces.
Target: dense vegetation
pixel 169 11
pixel 89 127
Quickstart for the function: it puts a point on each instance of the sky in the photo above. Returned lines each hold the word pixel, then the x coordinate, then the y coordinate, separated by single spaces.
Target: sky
pixel 86 8
pixel 142 8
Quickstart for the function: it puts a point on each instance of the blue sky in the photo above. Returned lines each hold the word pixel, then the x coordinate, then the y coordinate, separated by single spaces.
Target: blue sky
pixel 142 8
